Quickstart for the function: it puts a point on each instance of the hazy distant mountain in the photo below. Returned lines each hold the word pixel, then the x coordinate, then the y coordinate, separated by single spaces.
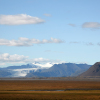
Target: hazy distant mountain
pixel 61 70
pixel 18 71
pixel 92 71
pixel 21 67
pixel 37 70
pixel 4 73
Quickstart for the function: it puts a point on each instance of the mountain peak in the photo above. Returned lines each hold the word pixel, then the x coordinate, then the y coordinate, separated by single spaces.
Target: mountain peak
pixel 93 70
pixel 97 63
pixel 60 70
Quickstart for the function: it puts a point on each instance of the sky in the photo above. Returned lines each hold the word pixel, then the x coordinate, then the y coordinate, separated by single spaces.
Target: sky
pixel 49 31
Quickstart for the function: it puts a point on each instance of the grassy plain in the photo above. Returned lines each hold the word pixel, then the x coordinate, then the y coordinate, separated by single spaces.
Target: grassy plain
pixel 18 90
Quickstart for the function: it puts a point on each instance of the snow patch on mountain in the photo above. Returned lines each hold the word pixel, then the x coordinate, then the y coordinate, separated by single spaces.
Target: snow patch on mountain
pixel 24 71
pixel 44 65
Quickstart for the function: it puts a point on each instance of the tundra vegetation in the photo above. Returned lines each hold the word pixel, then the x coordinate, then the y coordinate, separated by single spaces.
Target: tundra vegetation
pixel 49 90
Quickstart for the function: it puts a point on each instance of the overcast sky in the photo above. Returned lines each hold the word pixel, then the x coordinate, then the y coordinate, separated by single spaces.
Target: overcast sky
pixel 53 31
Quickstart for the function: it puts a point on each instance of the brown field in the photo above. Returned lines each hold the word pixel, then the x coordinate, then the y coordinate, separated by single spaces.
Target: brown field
pixel 16 90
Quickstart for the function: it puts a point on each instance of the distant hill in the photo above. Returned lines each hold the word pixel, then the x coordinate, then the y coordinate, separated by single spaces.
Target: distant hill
pixel 61 70
pixel 32 70
pixel 92 71
pixel 18 71
pixel 21 67
pixel 4 73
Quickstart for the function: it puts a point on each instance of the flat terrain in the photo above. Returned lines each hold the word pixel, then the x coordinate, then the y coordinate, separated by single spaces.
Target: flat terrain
pixel 49 89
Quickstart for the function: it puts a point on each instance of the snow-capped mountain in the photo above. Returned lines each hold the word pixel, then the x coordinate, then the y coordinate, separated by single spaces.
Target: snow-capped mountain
pixel 44 70
pixel 33 67
pixel 44 65
pixel 23 70
pixel 61 70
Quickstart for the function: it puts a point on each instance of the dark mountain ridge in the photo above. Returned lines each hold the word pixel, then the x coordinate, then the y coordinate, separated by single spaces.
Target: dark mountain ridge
pixel 31 70
pixel 94 70
pixel 61 70
pixel 17 71
pixel 20 67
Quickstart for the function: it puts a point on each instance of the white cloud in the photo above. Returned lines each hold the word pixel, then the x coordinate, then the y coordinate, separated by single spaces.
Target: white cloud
pixel 85 43
pixel 44 65
pixel 27 42
pixel 16 59
pixel 19 19
pixel 49 63
pixel 91 25
pixel 7 58
pixel 40 60
pixel 12 58
pixel 73 25
pixel 53 40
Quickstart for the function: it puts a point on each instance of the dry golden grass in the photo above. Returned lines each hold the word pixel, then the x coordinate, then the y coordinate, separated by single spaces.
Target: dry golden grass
pixel 47 84
pixel 9 90
pixel 79 95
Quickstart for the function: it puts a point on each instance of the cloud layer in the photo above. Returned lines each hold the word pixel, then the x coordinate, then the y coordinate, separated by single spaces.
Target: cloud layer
pixel 7 58
pixel 19 19
pixel 27 42
pixel 16 59
pixel 91 25
pixel 85 43
pixel 12 58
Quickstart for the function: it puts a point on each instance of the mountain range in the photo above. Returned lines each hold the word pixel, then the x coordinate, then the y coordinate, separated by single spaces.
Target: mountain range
pixel 18 71
pixel 94 70
pixel 33 70
pixel 61 70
